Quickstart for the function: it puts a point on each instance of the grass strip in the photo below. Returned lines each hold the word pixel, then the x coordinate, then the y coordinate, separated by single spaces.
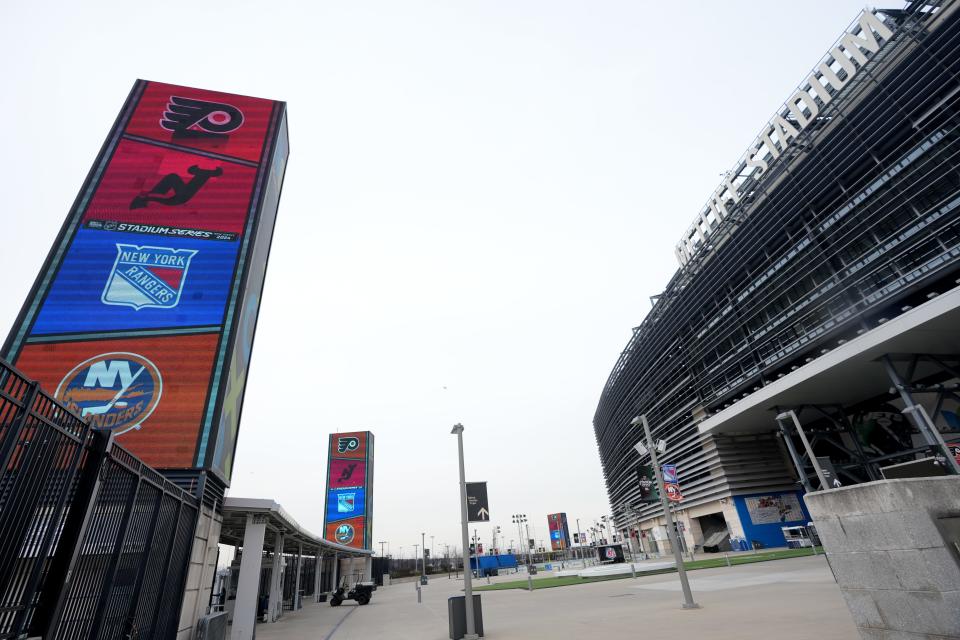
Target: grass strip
pixel 710 563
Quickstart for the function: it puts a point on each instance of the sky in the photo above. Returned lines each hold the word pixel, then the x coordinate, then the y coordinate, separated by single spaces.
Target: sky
pixel 480 199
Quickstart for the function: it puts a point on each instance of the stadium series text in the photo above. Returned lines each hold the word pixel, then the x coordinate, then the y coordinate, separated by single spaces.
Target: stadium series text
pixel 836 70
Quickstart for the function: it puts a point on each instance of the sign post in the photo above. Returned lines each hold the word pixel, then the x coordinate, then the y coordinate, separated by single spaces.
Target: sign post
pixel 465 537
pixel 688 602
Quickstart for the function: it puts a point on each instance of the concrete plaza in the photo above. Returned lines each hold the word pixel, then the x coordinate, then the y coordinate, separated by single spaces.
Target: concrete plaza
pixel 793 599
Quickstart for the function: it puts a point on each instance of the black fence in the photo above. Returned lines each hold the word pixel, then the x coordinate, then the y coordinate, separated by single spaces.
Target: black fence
pixel 93 542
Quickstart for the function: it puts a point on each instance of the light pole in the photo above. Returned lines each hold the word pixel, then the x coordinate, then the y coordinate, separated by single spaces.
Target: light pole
pixel 416 556
pixel 688 602
pixel 382 542
pixel 519 519
pixel 423 563
pixel 465 537
pixel 580 537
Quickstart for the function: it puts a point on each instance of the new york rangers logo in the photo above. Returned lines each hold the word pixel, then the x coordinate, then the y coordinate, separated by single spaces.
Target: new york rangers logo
pixel 147 277
pixel 189 118
pixel 346 502
pixel 116 391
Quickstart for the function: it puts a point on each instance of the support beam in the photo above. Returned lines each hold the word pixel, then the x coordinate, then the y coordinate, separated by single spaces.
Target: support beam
pixel 336 572
pixel 318 576
pixel 806 445
pixel 788 440
pixel 275 599
pixel 248 582
pixel 920 418
pixel 296 583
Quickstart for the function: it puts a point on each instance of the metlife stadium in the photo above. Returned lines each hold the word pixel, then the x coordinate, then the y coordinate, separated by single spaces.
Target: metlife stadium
pixel 817 296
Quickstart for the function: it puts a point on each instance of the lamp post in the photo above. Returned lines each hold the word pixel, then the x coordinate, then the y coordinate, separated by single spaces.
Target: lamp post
pixel 580 538
pixel 416 556
pixel 423 563
pixel 520 519
pixel 688 602
pixel 465 537
pixel 382 542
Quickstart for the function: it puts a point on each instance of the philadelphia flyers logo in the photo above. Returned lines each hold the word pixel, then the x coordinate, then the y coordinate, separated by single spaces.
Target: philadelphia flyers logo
pixel 348 443
pixel 189 118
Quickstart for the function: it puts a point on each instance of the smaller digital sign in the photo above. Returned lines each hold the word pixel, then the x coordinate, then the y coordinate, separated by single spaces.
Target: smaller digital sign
pixel 345 503
pixel 559 531
pixel 347 511
pixel 347 474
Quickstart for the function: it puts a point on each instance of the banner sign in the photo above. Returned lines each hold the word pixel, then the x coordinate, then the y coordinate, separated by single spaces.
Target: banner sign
pixel 559 531
pixel 142 317
pixel 478 506
pixel 669 473
pixel 349 505
pixel 647 481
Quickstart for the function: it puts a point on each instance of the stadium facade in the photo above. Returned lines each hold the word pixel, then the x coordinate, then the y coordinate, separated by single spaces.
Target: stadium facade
pixel 820 278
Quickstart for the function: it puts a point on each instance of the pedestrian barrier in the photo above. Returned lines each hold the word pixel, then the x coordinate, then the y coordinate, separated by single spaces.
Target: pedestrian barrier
pixel 96 544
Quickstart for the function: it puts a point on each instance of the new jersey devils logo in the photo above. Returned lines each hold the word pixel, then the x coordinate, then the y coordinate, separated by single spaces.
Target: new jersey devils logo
pixel 189 118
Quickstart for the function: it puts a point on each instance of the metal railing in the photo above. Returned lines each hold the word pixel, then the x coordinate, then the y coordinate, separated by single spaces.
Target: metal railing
pixel 95 544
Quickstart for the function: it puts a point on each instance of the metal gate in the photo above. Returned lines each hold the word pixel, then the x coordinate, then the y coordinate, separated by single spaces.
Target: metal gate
pixel 96 544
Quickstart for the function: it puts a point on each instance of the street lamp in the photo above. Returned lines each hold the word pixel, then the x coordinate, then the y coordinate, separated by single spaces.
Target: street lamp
pixel 382 542
pixel 673 533
pixel 423 541
pixel 521 519
pixel 471 633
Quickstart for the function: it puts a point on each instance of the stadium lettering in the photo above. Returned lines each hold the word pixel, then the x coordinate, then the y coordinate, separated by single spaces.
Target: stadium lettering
pixel 835 71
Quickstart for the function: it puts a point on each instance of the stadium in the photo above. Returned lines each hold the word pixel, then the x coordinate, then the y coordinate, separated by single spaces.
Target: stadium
pixel 816 307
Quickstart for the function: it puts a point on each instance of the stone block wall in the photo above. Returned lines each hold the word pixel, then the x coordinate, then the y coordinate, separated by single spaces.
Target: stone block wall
pixel 203 567
pixel 894 548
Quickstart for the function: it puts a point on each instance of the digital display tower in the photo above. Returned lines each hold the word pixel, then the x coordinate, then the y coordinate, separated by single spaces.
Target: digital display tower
pixel 142 318
pixel 348 514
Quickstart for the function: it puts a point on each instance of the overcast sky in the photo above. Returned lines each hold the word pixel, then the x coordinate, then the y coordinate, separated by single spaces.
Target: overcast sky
pixel 479 201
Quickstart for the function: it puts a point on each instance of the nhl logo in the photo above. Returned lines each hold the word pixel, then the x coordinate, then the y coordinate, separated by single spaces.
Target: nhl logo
pixel 115 391
pixel 144 277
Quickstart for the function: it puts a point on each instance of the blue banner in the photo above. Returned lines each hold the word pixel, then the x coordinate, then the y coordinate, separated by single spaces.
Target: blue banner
pixel 112 281
pixel 345 503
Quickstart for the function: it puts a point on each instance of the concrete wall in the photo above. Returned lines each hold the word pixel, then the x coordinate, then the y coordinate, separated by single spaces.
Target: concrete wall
pixel 893 553
pixel 203 567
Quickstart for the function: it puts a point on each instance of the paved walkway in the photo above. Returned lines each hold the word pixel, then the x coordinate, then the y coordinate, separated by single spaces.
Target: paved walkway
pixel 794 599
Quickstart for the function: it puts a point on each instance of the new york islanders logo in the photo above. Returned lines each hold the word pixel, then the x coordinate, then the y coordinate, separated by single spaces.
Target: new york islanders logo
pixel 344 534
pixel 116 391
pixel 147 276
pixel 189 118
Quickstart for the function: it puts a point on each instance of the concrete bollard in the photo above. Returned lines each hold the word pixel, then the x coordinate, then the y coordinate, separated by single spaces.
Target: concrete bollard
pixel 633 570
pixel 727 558
pixel 418 594
pixel 529 582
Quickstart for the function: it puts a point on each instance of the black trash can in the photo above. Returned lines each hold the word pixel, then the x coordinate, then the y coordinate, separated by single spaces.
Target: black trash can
pixel 457 615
